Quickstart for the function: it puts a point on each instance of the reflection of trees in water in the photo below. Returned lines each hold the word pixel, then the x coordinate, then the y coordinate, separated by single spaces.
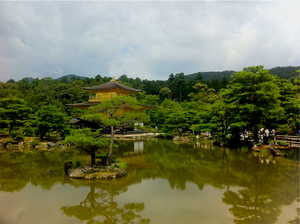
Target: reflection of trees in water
pixel 18 168
pixel 100 207
pixel 252 207
pixel 267 187
pixel 296 220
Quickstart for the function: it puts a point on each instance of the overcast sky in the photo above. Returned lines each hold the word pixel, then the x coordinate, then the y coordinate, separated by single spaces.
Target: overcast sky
pixel 149 40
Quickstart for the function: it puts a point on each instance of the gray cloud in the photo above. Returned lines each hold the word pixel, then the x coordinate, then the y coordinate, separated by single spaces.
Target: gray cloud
pixel 149 40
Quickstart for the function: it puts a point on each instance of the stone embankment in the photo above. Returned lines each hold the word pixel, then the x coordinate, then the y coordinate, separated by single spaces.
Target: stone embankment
pixel 97 172
pixel 274 149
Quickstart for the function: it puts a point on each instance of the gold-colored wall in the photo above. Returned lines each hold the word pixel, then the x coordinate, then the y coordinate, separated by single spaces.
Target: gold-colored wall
pixel 106 95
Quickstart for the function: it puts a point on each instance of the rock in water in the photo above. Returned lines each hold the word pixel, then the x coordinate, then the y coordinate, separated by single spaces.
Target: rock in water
pixel 274 150
pixel 272 146
pixel 68 167
pixel 75 173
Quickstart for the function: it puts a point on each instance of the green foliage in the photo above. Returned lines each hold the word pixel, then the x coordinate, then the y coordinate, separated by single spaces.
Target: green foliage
pixel 286 129
pixel 203 95
pixel 91 142
pixel 49 119
pixel 282 143
pixel 86 139
pixel 165 93
pixel 77 163
pixel 108 117
pixel 112 166
pixel 104 157
pixel 14 113
pixel 17 135
pixel 29 131
pixel 123 166
pixel 253 99
pixel 35 143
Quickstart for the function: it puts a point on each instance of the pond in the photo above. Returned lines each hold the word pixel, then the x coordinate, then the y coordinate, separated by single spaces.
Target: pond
pixel 166 183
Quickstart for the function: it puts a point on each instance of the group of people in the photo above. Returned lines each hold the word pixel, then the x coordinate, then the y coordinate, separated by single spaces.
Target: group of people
pixel 266 134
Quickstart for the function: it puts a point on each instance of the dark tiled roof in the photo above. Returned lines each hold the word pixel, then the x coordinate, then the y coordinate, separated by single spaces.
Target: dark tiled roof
pixel 112 85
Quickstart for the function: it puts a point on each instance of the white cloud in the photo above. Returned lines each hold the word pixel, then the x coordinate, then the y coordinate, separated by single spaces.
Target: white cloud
pixel 149 40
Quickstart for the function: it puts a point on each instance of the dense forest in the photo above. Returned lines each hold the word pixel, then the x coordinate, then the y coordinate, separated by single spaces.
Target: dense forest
pixel 250 99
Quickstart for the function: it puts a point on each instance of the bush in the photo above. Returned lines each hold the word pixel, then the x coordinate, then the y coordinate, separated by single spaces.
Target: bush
pixel 29 131
pixel 123 166
pixel 281 143
pixel 17 136
pixel 77 163
pixel 104 157
pixel 34 143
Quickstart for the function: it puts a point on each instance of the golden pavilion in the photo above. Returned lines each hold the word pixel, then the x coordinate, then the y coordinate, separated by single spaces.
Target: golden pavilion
pixel 107 91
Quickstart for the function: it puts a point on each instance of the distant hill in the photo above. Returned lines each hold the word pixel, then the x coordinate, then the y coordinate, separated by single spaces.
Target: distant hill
pixel 287 72
pixel 70 76
pixel 67 76
pixel 212 75
pixel 30 79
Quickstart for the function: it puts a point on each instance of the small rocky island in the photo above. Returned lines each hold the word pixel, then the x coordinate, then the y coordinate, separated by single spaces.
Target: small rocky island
pixel 95 172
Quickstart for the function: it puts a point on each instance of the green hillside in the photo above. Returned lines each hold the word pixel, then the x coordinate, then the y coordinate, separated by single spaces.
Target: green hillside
pixel 287 72
pixel 212 75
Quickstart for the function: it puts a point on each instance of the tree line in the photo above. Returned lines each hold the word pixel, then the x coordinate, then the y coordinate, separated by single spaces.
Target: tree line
pixel 253 98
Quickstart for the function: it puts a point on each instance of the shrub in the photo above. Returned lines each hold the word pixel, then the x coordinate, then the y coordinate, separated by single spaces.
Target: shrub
pixel 34 143
pixel 29 131
pixel 281 143
pixel 123 166
pixel 112 166
pixel 17 136
pixel 77 163
pixel 104 156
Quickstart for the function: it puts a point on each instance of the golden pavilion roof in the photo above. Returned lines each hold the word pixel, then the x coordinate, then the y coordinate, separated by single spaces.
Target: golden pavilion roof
pixel 111 85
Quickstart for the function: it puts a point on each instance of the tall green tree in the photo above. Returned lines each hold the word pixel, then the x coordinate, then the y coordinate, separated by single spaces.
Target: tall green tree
pixel 203 95
pixel 50 118
pixel 254 98
pixel 91 142
pixel 14 113
pixel 108 115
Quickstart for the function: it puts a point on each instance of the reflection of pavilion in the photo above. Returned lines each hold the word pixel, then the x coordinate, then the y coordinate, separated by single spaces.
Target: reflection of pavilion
pixel 138 148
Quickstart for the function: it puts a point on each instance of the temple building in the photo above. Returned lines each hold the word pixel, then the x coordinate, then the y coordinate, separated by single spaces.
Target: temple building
pixel 103 92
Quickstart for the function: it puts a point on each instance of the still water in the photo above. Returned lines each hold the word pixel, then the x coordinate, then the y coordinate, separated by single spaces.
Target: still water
pixel 166 183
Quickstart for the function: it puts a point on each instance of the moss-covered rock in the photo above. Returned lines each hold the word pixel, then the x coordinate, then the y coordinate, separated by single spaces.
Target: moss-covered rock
pixel 97 173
